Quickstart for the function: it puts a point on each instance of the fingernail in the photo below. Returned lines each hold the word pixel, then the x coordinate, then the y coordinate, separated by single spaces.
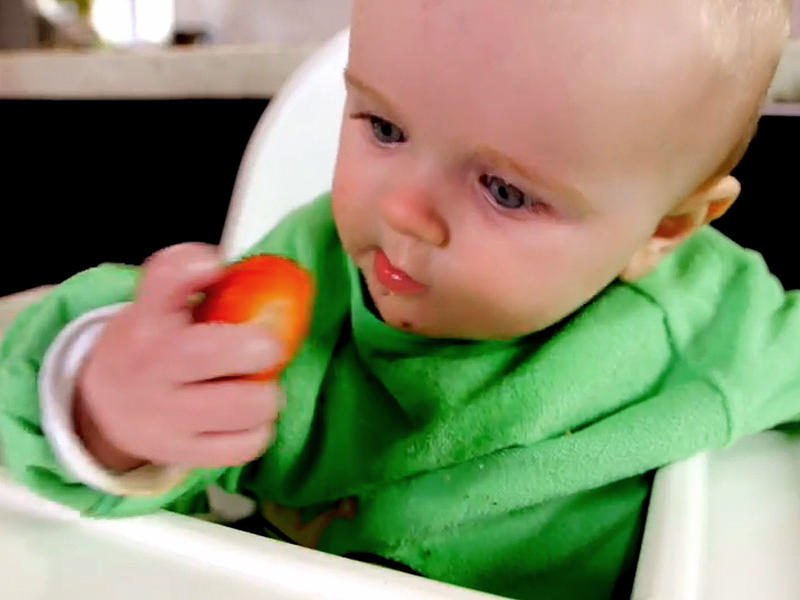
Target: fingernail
pixel 272 433
pixel 280 398
pixel 270 349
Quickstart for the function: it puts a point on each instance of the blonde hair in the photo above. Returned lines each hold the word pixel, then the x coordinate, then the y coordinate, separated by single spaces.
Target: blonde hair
pixel 749 38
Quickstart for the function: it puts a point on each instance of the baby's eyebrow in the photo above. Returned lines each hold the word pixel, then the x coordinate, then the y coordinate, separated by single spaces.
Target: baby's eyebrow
pixel 364 88
pixel 570 195
pixel 562 189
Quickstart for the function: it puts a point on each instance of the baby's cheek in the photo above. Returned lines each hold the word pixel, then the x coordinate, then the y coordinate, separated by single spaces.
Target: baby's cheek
pixel 549 290
pixel 346 200
pixel 344 181
pixel 342 188
pixel 345 175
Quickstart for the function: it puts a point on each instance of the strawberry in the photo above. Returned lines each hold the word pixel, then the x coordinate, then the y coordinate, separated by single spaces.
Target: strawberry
pixel 265 290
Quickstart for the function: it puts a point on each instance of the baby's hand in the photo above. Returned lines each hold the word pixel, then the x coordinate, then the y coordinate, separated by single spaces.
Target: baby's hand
pixel 153 390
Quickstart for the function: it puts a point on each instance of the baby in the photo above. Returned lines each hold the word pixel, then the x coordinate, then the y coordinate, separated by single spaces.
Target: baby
pixel 520 313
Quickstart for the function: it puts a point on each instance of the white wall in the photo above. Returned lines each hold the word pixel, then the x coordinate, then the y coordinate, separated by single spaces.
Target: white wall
pixel 250 21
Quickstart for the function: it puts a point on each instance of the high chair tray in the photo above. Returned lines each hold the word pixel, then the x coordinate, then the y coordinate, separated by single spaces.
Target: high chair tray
pixel 722 525
pixel 49 553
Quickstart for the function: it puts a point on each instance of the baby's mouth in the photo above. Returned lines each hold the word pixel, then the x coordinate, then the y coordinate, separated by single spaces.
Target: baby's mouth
pixel 393 279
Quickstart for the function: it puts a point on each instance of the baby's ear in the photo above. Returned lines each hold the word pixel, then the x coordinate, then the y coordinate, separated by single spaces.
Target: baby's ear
pixel 708 203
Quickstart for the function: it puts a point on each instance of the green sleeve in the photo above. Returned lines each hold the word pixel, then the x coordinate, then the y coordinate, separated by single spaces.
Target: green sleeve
pixel 731 319
pixel 761 374
pixel 25 449
pixel 26 452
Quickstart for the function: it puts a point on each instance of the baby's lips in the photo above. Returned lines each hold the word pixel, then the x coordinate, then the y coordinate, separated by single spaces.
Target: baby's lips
pixel 269 291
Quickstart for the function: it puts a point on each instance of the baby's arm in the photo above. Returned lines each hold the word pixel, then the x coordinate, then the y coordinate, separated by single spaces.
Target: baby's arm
pixel 305 235
pixel 141 395
pixel 27 452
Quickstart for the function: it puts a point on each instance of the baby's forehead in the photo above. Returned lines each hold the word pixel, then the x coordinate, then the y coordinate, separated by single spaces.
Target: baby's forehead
pixel 720 31
pixel 521 39
pixel 650 75
pixel 535 56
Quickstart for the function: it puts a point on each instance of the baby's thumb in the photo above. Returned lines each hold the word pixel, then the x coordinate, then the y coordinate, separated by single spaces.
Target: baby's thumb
pixel 173 275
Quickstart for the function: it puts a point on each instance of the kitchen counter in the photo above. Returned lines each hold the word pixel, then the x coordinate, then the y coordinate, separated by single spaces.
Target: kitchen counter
pixel 224 71
pixel 250 71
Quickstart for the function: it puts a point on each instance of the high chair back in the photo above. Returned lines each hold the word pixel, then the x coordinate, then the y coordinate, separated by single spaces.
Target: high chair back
pixel 292 153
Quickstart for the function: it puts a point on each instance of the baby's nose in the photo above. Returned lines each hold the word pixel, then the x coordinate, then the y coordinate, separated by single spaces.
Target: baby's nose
pixel 414 213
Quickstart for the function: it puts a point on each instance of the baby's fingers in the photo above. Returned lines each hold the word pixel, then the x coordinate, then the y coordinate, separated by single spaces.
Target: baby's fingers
pixel 215 450
pixel 173 275
pixel 204 352
pixel 225 406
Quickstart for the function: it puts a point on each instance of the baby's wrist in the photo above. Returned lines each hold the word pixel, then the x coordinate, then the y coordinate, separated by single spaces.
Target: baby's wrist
pixel 92 438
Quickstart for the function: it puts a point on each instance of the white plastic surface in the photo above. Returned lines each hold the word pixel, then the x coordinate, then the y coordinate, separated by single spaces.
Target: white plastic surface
pixel 48 552
pixel 292 153
pixel 674 548
pixel 754 520
pixel 725 525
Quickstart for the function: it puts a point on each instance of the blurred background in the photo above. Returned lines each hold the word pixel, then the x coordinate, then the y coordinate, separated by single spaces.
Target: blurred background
pixel 124 123
pixel 126 23
pixel 93 23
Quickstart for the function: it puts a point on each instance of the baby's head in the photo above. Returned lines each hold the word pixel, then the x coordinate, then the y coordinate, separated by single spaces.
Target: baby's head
pixel 516 156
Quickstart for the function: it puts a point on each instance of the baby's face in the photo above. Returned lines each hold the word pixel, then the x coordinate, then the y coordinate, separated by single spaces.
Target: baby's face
pixel 501 161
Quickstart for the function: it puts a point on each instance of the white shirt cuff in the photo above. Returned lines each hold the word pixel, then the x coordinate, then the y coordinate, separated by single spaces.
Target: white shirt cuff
pixel 57 380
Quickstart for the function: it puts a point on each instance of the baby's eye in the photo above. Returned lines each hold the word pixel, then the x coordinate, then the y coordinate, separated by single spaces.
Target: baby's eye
pixel 504 194
pixel 386 132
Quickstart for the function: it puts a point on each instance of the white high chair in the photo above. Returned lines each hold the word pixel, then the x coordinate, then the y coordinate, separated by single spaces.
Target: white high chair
pixel 292 152
pixel 724 524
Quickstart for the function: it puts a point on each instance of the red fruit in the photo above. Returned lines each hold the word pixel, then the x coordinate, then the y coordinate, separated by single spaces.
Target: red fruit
pixel 265 290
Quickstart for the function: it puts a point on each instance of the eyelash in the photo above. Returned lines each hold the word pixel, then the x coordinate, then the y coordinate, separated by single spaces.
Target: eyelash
pixel 376 122
pixel 529 203
pixel 487 181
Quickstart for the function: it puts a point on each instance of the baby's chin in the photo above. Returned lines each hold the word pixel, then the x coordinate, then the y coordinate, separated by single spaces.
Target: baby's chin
pixel 396 311
pixel 412 315
pixel 427 315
